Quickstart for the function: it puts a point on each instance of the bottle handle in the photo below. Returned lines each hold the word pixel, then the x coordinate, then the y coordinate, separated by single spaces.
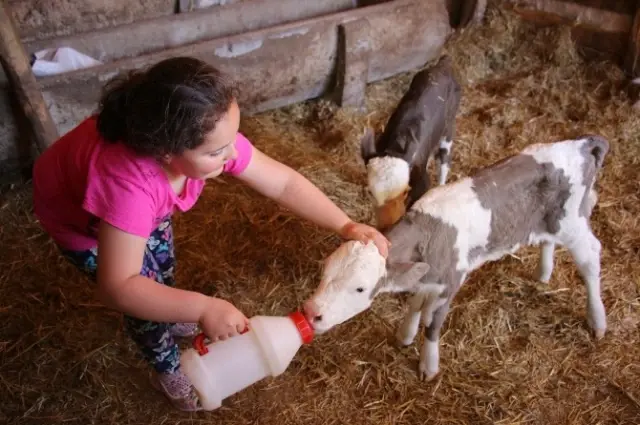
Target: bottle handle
pixel 200 346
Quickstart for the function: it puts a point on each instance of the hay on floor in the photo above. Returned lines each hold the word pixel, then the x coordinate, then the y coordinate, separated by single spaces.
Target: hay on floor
pixel 513 351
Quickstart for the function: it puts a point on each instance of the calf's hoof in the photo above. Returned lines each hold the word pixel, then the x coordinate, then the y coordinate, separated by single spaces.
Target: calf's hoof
pixel 406 333
pixel 599 333
pixel 426 375
pixel 404 340
pixel 598 324
pixel 542 276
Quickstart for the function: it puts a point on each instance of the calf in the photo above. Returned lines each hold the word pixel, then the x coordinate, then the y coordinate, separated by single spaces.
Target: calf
pixel 543 195
pixel 422 126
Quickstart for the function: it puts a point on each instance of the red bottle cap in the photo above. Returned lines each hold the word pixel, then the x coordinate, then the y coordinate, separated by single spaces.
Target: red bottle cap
pixel 303 326
pixel 200 345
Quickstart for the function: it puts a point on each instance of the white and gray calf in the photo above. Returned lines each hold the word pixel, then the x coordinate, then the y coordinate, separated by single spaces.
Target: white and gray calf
pixel 421 127
pixel 542 196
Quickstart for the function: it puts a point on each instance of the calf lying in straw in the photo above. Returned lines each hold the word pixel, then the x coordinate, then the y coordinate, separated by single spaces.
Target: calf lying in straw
pixel 422 125
pixel 543 195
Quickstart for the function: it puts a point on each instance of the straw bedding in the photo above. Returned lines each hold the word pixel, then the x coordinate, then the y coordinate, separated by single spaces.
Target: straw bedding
pixel 513 351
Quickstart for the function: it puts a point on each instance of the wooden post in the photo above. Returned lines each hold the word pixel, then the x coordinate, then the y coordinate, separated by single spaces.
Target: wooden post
pixel 352 71
pixel 632 58
pixel 18 69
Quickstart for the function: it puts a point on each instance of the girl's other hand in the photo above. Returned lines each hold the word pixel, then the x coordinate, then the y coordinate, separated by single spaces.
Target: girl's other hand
pixel 365 233
pixel 221 320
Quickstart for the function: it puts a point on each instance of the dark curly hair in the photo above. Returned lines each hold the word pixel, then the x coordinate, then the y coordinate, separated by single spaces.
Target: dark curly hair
pixel 166 109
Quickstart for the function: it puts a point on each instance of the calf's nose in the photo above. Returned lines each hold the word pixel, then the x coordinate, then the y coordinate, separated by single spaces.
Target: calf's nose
pixel 310 311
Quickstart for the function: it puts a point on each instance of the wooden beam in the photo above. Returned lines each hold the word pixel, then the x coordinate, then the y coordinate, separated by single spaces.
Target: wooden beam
pixel 352 71
pixel 632 58
pixel 18 69
pixel 555 12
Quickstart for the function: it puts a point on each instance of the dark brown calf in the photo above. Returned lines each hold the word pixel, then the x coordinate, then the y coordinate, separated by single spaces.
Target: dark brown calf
pixel 422 126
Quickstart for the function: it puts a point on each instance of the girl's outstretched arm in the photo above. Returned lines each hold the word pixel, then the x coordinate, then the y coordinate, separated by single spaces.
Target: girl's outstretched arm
pixel 293 191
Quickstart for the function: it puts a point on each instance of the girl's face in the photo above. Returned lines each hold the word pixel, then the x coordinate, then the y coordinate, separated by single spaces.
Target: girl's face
pixel 207 160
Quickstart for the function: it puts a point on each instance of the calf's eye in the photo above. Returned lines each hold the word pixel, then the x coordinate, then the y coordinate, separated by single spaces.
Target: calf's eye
pixel 360 289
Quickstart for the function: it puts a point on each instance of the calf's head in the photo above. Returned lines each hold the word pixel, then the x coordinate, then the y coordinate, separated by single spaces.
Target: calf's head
pixel 387 181
pixel 352 276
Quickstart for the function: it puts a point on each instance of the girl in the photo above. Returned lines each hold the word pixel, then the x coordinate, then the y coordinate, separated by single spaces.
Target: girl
pixel 106 190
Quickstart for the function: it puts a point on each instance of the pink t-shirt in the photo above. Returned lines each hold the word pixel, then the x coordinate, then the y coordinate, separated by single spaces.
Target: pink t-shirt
pixel 81 179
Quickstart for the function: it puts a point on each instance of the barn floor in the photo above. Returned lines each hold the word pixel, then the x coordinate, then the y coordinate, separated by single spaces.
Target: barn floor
pixel 513 351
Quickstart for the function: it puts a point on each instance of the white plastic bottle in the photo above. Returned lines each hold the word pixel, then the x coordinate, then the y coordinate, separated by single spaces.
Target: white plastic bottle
pixel 223 368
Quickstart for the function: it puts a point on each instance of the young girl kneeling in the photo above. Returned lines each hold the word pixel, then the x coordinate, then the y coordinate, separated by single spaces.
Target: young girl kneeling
pixel 106 190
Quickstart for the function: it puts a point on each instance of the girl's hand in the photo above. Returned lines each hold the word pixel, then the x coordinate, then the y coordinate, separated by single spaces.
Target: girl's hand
pixel 365 233
pixel 221 320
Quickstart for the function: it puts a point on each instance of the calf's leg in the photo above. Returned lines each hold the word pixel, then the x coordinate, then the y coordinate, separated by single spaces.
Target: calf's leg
pixel 419 182
pixel 444 158
pixel 585 249
pixel 545 264
pixel 430 350
pixel 409 328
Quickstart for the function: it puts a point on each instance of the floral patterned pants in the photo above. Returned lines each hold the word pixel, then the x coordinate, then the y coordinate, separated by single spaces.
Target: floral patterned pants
pixel 154 339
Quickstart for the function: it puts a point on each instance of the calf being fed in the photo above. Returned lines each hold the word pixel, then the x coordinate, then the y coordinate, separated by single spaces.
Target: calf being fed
pixel 422 125
pixel 543 195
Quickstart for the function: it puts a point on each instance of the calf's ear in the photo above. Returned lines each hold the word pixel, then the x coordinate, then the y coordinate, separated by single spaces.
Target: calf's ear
pixel 401 277
pixel 367 145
